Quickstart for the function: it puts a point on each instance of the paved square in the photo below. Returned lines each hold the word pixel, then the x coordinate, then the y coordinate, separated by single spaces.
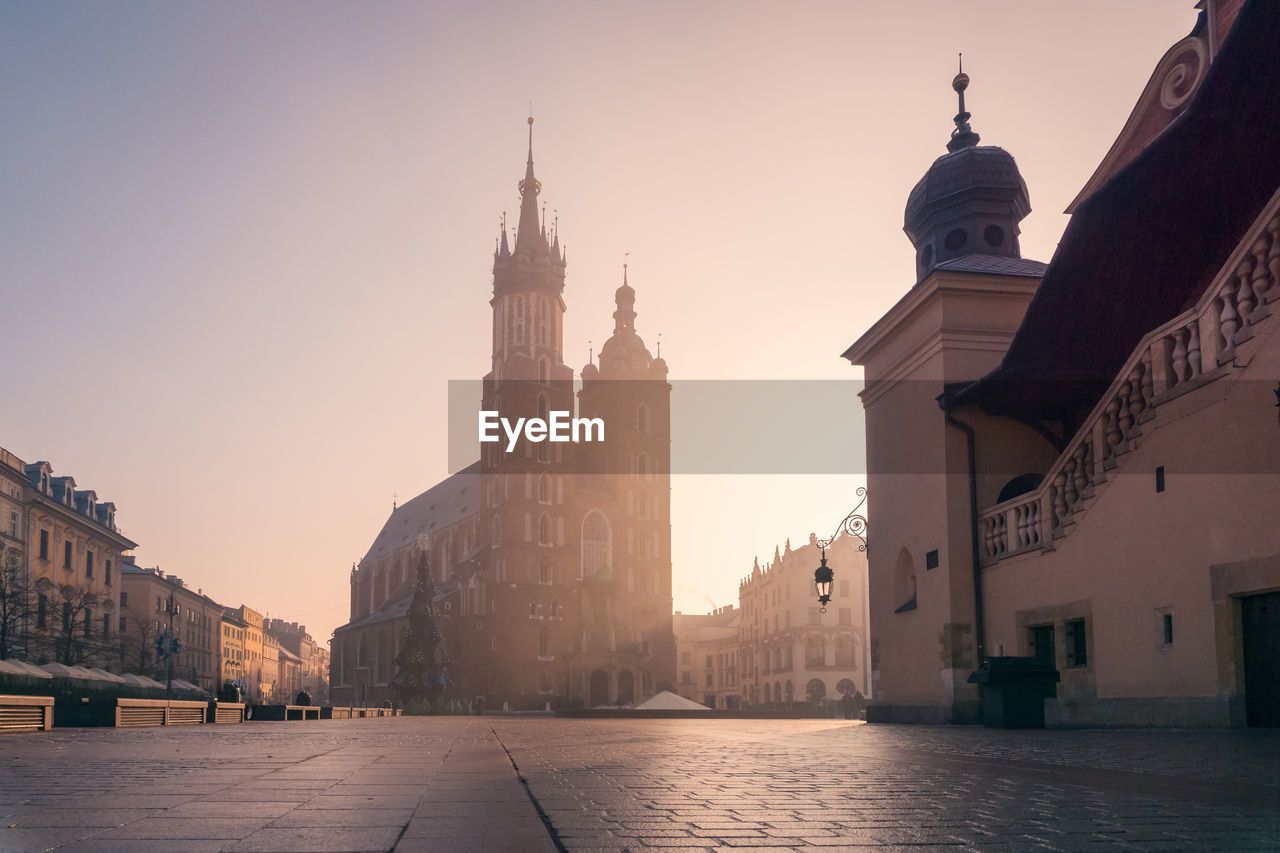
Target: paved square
pixel 540 784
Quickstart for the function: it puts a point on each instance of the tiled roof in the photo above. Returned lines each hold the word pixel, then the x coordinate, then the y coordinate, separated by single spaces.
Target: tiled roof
pixel 994 265
pixel 438 507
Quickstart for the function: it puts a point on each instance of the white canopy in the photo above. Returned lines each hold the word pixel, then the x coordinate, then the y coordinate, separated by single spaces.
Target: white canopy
pixel 668 701
pixel 17 667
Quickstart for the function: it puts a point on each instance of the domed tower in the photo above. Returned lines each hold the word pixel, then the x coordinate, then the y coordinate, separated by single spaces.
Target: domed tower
pixel 971 289
pixel 632 593
pixel 969 202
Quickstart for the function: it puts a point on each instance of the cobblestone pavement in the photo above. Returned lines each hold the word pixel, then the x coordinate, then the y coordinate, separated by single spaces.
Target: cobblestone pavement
pixel 538 784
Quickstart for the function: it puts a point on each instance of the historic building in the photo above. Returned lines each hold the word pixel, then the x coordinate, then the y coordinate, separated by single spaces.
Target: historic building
pixel 66 549
pixel 146 598
pixel 790 651
pixel 1081 462
pixel 707 657
pixel 552 562
pixel 312 658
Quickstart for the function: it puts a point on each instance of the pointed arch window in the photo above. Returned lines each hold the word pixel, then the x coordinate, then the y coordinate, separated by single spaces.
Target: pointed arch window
pixel 542 323
pixel 597 544
pixel 544 370
pixel 544 529
pixel 544 488
pixel 644 419
pixel 519 319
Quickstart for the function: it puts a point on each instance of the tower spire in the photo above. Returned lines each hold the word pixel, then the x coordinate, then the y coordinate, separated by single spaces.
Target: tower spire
pixel 963 136
pixel 529 234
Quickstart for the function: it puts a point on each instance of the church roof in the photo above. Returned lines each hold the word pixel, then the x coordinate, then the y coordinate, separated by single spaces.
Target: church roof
pixel 1144 246
pixel 994 265
pixel 443 504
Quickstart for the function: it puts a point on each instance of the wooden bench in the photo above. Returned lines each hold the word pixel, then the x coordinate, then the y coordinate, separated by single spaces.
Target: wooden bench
pixel 26 713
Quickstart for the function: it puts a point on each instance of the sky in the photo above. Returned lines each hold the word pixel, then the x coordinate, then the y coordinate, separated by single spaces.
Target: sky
pixel 245 247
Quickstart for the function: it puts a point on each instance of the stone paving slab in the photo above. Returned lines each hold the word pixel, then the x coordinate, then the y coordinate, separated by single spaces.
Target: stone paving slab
pixel 627 786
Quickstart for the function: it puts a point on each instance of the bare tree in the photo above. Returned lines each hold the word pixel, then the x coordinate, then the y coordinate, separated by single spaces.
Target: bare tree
pixel 74 641
pixel 15 604
pixel 138 643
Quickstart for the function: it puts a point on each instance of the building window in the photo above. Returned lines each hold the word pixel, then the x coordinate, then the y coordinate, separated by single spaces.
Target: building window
pixel 44 544
pixel 106 626
pixel 13 525
pixel 124 599
pixel 107 573
pixel 88 564
pixel 709 682
pixel 66 554
pixel 122 624
pixel 520 320
pixel 1077 647
pixel 1166 628
pixel 846 616
pixel 544 571
pixel 1041 637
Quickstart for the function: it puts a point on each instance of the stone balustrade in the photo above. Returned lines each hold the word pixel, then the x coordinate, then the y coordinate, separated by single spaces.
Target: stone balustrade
pixel 1195 348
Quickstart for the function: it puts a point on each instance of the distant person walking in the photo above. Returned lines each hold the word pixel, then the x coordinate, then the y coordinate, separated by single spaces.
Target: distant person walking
pixel 847 705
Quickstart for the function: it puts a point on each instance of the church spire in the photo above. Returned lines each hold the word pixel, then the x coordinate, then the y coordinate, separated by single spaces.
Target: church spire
pixel 625 297
pixel 963 136
pixel 528 237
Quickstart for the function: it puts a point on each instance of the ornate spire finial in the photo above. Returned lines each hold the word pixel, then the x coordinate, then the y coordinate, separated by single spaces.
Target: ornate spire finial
pixel 659 344
pixel 528 230
pixel 591 353
pixel 963 136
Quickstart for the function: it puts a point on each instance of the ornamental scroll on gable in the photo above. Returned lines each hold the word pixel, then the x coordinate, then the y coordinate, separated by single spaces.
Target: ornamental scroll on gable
pixel 1167 95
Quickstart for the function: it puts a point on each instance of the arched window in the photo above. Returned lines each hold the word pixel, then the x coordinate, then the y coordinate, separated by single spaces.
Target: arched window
pixel 789 695
pixel 543 645
pixel 597 544
pixel 520 320
pixel 544 571
pixel 542 413
pixel 844 651
pixel 644 466
pixel 384 658
pixel 544 488
pixel 544 529
pixel 495 531
pixel 544 370
pixel 644 419
pixel 815 651
pixel 904 582
pixel 542 323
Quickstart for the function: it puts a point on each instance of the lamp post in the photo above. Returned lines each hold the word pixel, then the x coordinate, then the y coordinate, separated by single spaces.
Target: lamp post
pixel 853 524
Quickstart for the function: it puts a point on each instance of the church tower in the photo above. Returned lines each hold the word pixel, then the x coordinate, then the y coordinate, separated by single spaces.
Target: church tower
pixel 525 489
pixel 626 646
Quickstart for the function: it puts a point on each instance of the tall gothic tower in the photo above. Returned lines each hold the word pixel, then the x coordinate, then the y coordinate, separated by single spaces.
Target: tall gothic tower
pixel 525 489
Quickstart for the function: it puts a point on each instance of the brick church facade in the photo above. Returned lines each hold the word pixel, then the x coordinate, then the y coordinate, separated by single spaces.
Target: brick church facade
pixel 553 561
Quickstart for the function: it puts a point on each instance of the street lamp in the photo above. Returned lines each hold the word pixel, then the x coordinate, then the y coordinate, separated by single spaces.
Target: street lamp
pixel 853 524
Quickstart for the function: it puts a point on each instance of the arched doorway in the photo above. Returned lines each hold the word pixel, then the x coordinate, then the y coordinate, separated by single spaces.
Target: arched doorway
pixel 599 688
pixel 815 690
pixel 626 687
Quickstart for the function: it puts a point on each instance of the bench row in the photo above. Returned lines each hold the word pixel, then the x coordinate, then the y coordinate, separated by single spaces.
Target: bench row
pixel 36 713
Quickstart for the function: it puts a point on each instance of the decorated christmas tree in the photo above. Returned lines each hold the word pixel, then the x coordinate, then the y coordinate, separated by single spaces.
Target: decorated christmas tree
pixel 421 674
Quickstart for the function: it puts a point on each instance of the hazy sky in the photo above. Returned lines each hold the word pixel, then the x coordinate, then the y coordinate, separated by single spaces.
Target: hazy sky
pixel 244 247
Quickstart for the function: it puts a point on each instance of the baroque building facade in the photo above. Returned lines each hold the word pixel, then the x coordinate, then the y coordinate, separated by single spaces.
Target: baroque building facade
pixel 789 650
pixel 553 561
pixel 64 549
pixel 1079 462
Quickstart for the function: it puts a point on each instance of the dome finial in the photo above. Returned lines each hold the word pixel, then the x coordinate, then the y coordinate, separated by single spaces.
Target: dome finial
pixel 963 136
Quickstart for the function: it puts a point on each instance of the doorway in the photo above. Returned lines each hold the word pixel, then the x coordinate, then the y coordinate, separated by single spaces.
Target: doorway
pixel 1260 622
pixel 599 688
